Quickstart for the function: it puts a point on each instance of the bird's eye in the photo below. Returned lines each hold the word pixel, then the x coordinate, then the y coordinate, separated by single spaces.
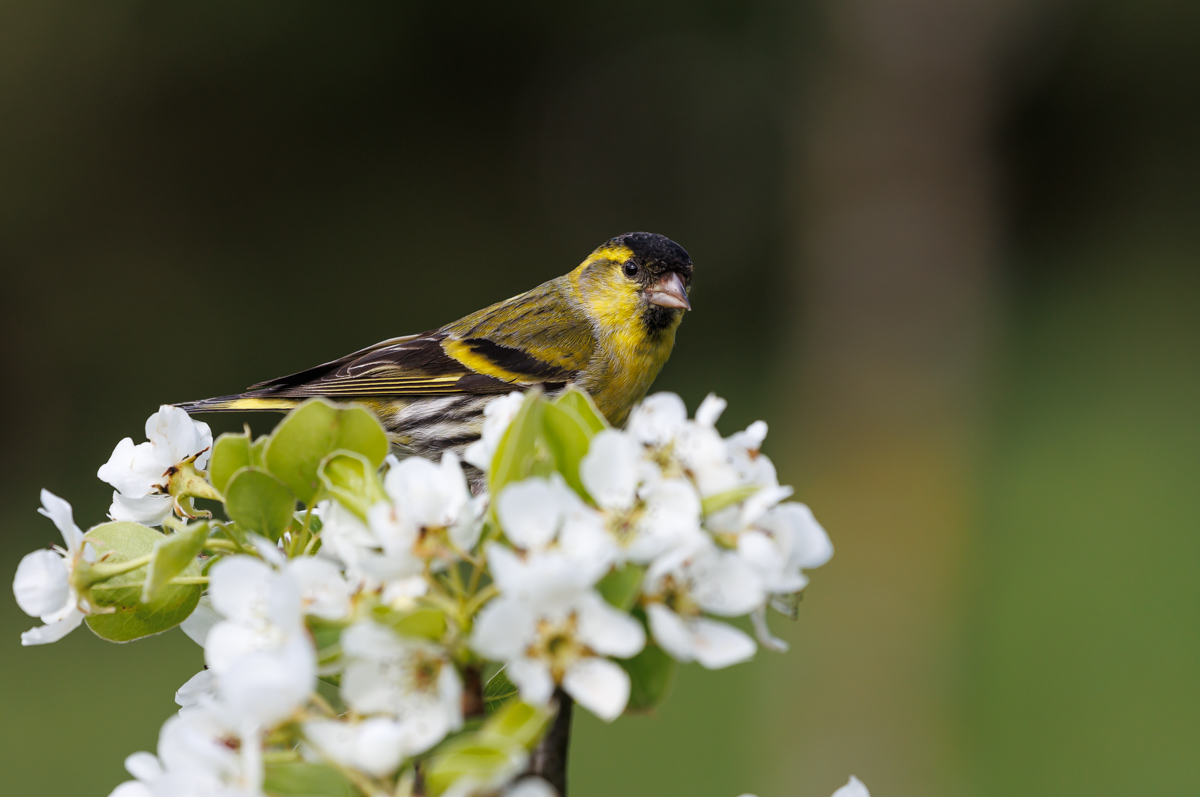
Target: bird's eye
pixel 631 269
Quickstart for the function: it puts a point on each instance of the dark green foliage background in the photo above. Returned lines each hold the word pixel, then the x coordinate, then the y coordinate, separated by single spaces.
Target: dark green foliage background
pixel 195 197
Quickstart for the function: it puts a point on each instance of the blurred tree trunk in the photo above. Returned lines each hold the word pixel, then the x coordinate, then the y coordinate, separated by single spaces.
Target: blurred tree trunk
pixel 896 247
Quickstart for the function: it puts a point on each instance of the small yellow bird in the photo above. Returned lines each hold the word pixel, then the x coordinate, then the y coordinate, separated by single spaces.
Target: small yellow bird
pixel 606 327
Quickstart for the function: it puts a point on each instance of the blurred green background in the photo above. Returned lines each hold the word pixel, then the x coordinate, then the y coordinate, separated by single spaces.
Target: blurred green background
pixel 948 249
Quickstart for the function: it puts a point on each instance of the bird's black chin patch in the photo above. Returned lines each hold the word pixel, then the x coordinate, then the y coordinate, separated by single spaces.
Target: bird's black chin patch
pixel 656 318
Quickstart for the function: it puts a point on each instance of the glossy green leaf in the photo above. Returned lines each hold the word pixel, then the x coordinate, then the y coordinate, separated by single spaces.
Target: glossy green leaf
pixel 484 757
pixel 312 432
pixel 497 692
pixel 132 618
pixel 567 436
pixel 581 405
pixel 306 779
pixel 723 500
pixel 424 623
pixel 518 452
pixel 259 502
pixel 352 480
pixel 651 673
pixel 173 554
pixel 620 587
pixel 258 452
pixel 230 454
pixel 521 722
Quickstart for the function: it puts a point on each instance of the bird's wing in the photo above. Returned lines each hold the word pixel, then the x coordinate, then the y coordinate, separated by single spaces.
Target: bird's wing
pixel 433 363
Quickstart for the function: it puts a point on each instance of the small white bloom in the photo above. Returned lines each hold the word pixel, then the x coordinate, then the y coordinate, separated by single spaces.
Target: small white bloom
pixel 497 416
pixel 645 516
pixel 684 449
pixel 430 517
pixel 540 515
pixel 684 585
pixel 260 654
pixel 375 745
pixel 42 584
pixel 199 755
pixel 141 473
pixel 854 788
pixel 413 681
pixel 552 629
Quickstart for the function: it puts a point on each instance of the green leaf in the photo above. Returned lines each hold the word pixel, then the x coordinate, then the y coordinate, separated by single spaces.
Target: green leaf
pixel 718 501
pixel 352 480
pixel 620 587
pixel 424 623
pixel 312 432
pixel 258 452
pixel 521 722
pixel 518 452
pixel 481 756
pixel 259 502
pixel 497 692
pixel 581 405
pixel 651 672
pixel 230 454
pixel 567 436
pixel 306 779
pixel 173 554
pixel 131 618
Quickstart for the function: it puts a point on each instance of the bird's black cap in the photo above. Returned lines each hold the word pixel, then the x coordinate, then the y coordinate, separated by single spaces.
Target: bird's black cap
pixel 659 250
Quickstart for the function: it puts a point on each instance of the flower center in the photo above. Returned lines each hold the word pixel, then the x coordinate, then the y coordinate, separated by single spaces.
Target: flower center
pixel 558 645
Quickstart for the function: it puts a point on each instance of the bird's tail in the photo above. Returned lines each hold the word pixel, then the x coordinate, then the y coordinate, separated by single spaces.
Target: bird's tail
pixel 241 402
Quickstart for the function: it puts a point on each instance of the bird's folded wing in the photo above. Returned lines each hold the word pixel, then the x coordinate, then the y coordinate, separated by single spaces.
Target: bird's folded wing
pixel 433 363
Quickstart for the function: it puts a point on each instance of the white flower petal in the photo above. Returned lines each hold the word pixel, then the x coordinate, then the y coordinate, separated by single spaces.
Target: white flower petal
pixel 267 687
pixel 144 766
pixel 503 629
pixel 132 469
pixel 658 419
pixel 854 788
pixel 709 411
pixel 60 514
pixel 716 645
pixel 323 591
pixel 761 630
pixel 670 632
pixel 609 469
pixel 240 587
pixel 42 583
pixel 131 788
pixel 149 510
pixel 599 686
pixel 532 679
pixel 198 689
pixel 532 511
pixel 531 787
pixel 52 632
pixel 609 631
pixel 201 621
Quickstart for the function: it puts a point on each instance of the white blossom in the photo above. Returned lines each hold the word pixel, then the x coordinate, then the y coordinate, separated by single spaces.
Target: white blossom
pixel 42 584
pixel 141 473
pixel 199 755
pixel 429 518
pixel 375 745
pixel 540 514
pixel 682 586
pixel 262 659
pixel 497 416
pixel 552 629
pixel 644 514
pixel 412 681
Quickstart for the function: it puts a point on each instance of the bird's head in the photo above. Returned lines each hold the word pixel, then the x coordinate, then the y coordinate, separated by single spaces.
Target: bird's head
pixel 638 275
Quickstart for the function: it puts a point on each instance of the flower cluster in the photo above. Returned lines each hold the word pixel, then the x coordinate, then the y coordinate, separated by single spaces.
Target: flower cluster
pixel 449 626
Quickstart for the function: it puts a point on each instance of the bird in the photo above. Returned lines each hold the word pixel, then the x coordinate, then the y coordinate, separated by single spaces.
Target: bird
pixel 607 327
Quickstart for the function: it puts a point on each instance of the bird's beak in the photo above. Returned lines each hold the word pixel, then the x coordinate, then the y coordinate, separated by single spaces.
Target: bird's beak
pixel 669 292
